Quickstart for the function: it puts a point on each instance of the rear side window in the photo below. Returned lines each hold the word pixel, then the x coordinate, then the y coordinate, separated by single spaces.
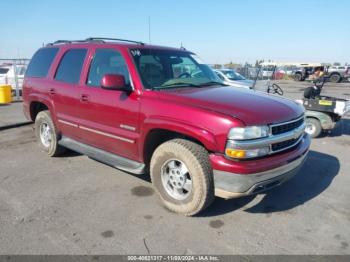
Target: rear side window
pixel 41 61
pixel 70 66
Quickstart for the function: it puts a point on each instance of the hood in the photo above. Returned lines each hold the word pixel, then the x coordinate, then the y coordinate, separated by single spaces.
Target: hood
pixel 251 107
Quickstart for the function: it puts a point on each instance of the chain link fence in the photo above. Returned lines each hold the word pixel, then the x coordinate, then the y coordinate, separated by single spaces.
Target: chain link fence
pixel 12 73
pixel 264 73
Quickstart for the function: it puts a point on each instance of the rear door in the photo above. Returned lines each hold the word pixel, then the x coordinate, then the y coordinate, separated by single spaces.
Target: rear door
pixel 64 91
pixel 109 118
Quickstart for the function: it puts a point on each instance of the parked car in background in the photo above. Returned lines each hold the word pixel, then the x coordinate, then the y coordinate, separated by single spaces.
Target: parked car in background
pixel 347 73
pixel 338 73
pixel 267 73
pixel 335 74
pixel 304 71
pixel 7 75
pixel 232 78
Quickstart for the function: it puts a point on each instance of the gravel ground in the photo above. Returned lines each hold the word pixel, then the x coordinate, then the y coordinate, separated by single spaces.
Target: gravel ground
pixel 75 205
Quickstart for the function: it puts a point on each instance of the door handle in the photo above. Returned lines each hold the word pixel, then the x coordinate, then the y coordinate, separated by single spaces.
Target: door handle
pixel 52 91
pixel 84 98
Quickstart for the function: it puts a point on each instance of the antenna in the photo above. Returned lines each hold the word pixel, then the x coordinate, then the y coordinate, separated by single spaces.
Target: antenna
pixel 149 30
pixel 182 47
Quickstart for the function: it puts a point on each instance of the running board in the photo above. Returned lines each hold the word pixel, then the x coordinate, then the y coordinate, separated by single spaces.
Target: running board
pixel 110 159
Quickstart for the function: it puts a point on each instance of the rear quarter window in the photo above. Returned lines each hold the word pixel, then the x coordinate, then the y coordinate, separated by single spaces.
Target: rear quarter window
pixel 70 66
pixel 41 62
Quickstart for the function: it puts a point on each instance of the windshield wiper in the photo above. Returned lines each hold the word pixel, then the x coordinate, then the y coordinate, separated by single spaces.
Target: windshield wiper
pixel 177 84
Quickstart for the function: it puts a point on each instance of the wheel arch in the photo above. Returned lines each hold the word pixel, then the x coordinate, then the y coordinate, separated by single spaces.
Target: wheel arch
pixel 35 107
pixel 156 136
pixel 39 103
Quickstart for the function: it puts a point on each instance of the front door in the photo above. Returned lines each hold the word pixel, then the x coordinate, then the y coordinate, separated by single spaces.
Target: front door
pixel 109 118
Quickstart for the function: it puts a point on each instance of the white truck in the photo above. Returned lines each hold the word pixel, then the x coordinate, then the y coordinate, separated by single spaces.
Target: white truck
pixel 8 75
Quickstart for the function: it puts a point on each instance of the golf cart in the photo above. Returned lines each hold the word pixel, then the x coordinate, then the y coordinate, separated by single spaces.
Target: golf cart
pixel 321 112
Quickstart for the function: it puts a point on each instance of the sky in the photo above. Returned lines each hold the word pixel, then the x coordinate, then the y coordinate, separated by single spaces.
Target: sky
pixel 220 31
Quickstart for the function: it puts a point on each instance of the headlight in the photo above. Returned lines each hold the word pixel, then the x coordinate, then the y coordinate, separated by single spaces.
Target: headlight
pixel 250 132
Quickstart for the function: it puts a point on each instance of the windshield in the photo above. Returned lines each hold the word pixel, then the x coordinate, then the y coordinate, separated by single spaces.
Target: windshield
pixel 3 71
pixel 162 69
pixel 232 75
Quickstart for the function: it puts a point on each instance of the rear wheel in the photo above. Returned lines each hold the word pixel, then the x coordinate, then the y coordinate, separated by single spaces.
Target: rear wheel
pixel 46 134
pixel 313 127
pixel 335 78
pixel 182 176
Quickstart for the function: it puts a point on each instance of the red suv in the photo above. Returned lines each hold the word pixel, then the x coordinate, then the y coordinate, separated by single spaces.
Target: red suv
pixel 144 108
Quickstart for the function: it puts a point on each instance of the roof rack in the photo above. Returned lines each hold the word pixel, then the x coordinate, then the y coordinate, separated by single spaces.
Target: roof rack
pixel 113 39
pixel 65 42
pixel 93 39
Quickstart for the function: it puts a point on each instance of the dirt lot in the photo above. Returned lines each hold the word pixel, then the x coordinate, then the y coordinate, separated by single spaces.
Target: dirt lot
pixel 75 205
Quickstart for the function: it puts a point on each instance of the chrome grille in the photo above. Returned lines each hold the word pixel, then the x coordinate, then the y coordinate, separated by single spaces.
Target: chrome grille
pixel 284 145
pixel 286 127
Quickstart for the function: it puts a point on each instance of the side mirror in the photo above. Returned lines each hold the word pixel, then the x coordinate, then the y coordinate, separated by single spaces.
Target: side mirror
pixel 113 82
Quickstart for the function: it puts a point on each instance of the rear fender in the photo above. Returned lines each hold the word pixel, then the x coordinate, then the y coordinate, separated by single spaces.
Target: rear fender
pixel 44 100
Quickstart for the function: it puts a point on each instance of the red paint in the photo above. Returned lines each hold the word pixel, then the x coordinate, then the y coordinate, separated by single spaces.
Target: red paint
pixel 205 114
pixel 110 81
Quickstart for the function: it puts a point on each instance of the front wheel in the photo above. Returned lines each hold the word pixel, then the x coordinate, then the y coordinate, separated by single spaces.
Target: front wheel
pixel 182 175
pixel 313 127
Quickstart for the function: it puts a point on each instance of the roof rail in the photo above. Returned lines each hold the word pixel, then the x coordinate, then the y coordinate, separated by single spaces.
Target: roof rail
pixel 90 39
pixel 65 42
pixel 93 39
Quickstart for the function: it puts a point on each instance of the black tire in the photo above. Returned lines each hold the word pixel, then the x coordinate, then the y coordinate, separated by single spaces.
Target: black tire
pixel 196 159
pixel 298 77
pixel 43 118
pixel 313 127
pixel 335 78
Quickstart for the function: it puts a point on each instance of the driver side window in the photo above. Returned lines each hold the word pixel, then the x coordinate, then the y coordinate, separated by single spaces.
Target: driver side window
pixel 107 61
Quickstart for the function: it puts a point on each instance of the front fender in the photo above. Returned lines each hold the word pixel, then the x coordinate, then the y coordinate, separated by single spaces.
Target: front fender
pixel 184 128
pixel 325 120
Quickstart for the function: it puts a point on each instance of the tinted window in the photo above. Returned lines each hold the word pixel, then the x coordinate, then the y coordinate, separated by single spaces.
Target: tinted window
pixel 70 66
pixel 107 61
pixel 3 71
pixel 41 61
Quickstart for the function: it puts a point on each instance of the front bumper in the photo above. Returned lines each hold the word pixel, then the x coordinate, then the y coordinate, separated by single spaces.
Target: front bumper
pixel 233 185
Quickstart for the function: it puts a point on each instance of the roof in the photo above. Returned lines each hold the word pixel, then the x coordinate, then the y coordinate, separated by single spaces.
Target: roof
pixel 111 41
